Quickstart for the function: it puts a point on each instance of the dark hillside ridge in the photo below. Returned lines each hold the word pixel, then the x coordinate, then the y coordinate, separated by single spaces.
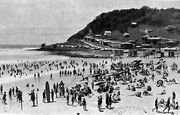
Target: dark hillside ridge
pixel 121 20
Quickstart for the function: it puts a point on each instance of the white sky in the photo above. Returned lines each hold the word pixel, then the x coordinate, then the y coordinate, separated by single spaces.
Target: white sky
pixel 50 21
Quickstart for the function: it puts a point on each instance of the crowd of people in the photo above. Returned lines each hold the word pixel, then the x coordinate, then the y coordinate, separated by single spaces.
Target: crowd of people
pixel 103 79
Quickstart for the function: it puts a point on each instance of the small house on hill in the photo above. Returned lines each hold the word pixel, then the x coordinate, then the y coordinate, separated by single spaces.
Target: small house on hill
pixel 151 39
pixel 107 33
pixel 147 31
pixel 112 44
pixel 134 24
pixel 89 38
pixel 127 45
pixel 118 52
pixel 170 28
pixel 126 35
pixel 172 43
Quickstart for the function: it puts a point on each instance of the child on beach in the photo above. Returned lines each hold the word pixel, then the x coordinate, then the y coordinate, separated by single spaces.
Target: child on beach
pixel 84 104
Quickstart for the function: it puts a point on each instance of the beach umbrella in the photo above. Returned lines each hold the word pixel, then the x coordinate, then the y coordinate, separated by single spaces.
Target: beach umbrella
pixel 159 83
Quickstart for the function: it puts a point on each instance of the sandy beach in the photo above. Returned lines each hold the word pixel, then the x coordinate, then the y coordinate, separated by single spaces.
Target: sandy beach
pixel 129 105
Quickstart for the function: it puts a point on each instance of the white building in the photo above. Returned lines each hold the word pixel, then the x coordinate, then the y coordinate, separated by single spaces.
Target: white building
pixel 107 33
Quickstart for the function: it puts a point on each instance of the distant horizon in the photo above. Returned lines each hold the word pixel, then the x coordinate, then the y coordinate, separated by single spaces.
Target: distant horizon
pixel 21 44
pixel 47 21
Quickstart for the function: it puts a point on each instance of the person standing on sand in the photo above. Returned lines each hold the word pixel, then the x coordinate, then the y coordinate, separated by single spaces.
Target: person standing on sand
pixel 100 103
pixel 92 84
pixel 152 77
pixel 72 99
pixel 56 91
pixel 110 101
pixel 54 86
pixel 32 94
pixel 51 77
pixel 35 76
pixel 176 106
pixel 60 73
pixel 167 105
pixel 4 98
pixel 156 105
pixel 173 98
pixel 79 98
pixel 10 94
pixel 44 96
pixel 107 100
pixel 67 91
pixel 67 99
pixel 20 96
pixel 84 104
pixel 1 89
pixel 52 95
pixel 90 71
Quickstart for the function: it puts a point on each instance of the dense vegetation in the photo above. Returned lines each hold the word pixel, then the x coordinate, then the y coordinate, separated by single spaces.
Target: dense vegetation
pixel 121 20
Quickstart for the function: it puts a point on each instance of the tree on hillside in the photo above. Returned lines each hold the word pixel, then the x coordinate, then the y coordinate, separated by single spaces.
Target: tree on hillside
pixel 43 45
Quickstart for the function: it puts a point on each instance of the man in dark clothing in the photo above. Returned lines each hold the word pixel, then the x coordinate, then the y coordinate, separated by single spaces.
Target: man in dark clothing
pixel 72 99
pixel 17 96
pixel 79 99
pixel 10 94
pixel 1 89
pixel 17 90
pixel 13 91
pixel 84 104
pixel 107 100
pixel 92 85
pixel 100 102
pixel 110 101
pixel 56 91
pixel 44 96
pixel 51 77
pixel 156 105
pixel 167 105
pixel 32 94
pixel 173 98
pixel 63 91
pixel 4 98
pixel 67 99
pixel 20 96
pixel 52 95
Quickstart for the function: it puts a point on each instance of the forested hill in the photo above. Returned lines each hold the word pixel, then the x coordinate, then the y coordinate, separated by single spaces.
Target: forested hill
pixel 120 20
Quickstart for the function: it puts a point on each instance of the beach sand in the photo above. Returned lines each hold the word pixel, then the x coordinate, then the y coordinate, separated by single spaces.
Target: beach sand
pixel 129 105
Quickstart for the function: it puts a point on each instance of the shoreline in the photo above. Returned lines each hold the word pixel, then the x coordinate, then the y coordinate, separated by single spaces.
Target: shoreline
pixel 75 54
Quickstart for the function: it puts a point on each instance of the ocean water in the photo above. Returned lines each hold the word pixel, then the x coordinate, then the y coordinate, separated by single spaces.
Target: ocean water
pixel 17 53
